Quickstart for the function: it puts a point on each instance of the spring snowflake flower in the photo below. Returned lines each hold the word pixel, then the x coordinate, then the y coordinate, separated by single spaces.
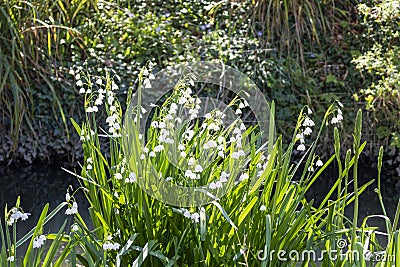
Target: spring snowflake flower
pixel 16 215
pixel 39 241
pixel 147 84
pixel 79 83
pixel 213 127
pixel 183 154
pixel 210 144
pixel 212 185
pixel 89 109
pixel 182 100
pixel 98 102
pixel 172 110
pixel 338 118
pixel 237 131
pixel 99 81
pixel 218 184
pixel 152 154
pixel 307 131
pixel 114 86
pixel 301 147
pixel 118 176
pixel 73 209
pixel 319 163
pixel 221 154
pixel 131 179
pixel 191 161
pixel 11 259
pixel 158 148
pixel 189 174
pixel 169 140
pixel 224 177
pixel 186 213
pixel 262 207
pixel 195 217
pixel 82 90
pixel 111 246
pixel 169 117
pixel 161 125
pixel 238 154
pixel 311 169
pixel 181 147
pixel 154 124
pixel 74 228
pixel 238 111
pixel 111 119
pixel 243 177
pixel 215 185
pixel 198 168
pixel 300 136
pixel 24 216
pixel 117 127
pixel 308 122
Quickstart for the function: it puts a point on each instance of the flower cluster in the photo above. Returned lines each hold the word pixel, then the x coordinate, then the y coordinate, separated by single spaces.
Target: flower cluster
pixel 86 134
pixel 72 207
pixel 38 241
pixel 195 216
pixel 131 179
pixel 195 144
pixel 108 245
pixel 307 125
pixel 16 214
pixel 318 163
pixel 338 118
pixel 99 90
pixel 223 178
pixel 114 118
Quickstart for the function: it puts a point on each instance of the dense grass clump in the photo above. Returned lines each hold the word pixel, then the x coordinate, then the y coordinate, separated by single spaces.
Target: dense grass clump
pixel 264 211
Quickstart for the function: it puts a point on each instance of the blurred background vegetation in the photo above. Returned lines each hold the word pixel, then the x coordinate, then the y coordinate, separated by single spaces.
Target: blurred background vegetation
pixel 310 52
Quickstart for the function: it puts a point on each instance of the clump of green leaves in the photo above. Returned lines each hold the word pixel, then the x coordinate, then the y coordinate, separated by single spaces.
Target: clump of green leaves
pixel 380 64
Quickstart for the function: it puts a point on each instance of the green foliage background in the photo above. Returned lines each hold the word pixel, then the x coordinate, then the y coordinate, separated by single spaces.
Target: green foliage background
pixel 297 52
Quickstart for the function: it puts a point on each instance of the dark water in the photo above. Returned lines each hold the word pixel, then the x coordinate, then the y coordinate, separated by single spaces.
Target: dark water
pixel 38 185
pixel 41 184
pixel 369 203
